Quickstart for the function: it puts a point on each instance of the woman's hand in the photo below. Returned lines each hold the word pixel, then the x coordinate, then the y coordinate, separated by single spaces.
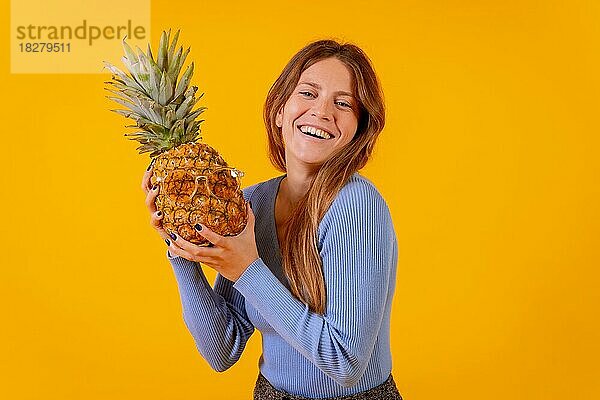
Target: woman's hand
pixel 229 255
pixel 151 193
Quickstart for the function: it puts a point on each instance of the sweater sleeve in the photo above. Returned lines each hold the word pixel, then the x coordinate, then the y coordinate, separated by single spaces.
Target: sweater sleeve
pixel 358 248
pixel 216 317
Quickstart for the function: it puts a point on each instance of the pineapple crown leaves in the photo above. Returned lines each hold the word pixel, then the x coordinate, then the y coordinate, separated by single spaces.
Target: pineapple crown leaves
pixel 154 95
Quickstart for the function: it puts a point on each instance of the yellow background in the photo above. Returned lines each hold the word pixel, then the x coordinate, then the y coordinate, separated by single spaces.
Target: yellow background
pixel 489 163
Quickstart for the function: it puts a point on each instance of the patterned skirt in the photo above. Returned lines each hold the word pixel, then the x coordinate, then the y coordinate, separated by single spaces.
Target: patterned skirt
pixel 263 390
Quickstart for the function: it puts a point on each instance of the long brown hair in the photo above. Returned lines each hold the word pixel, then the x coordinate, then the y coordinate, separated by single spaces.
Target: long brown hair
pixel 302 264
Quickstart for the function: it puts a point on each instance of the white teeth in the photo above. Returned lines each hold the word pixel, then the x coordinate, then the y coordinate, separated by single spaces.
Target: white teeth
pixel 315 132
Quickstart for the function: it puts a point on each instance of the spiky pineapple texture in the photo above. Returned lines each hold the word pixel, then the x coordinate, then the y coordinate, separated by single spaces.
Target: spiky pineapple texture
pixel 196 184
pixel 159 102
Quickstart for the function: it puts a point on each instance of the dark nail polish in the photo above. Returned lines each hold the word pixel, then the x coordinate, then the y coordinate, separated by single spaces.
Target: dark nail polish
pixel 198 227
pixel 167 242
pixel 173 236
pixel 151 163
pixel 158 214
pixel 154 187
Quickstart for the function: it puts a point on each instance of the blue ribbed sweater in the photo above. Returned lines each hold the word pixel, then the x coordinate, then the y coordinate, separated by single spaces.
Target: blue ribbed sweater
pixel 344 351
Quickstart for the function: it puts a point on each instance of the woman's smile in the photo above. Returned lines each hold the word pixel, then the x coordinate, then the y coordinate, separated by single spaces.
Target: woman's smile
pixel 315 132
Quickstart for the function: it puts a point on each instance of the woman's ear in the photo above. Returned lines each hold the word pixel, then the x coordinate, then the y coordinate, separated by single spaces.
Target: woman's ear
pixel 279 118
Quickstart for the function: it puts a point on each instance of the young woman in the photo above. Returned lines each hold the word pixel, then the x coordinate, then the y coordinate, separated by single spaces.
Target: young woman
pixel 315 268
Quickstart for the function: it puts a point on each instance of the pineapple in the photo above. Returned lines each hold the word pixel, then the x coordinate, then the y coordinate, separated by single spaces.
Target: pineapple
pixel 196 184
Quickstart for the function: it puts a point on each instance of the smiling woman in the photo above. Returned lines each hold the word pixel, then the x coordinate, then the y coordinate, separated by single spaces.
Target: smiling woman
pixel 321 107
pixel 315 268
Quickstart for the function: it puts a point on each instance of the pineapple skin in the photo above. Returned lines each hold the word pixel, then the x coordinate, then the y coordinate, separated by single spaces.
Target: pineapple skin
pixel 197 186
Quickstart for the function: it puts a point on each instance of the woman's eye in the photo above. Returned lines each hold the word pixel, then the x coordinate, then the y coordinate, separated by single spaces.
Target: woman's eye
pixel 307 94
pixel 343 104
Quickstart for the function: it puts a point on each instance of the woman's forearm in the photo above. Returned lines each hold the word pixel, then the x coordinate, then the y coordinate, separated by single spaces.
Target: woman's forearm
pixel 219 325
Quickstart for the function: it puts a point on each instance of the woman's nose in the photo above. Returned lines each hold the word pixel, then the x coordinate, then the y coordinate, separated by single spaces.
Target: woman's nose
pixel 322 109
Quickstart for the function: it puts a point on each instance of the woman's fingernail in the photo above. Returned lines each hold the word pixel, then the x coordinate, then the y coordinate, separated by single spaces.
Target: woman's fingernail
pixel 167 242
pixel 173 236
pixel 198 227
pixel 159 214
pixel 155 187
pixel 151 163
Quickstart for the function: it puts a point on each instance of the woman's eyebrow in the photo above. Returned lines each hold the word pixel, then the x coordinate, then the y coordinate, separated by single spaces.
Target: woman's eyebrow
pixel 317 86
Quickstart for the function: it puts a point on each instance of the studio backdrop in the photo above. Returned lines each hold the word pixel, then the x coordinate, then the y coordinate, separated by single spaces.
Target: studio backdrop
pixel 488 162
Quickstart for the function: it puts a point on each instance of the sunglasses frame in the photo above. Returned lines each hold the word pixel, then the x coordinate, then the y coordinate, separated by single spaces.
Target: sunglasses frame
pixel 235 173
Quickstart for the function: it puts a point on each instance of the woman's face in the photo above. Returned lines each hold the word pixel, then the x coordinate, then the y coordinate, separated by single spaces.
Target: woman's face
pixel 321 115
